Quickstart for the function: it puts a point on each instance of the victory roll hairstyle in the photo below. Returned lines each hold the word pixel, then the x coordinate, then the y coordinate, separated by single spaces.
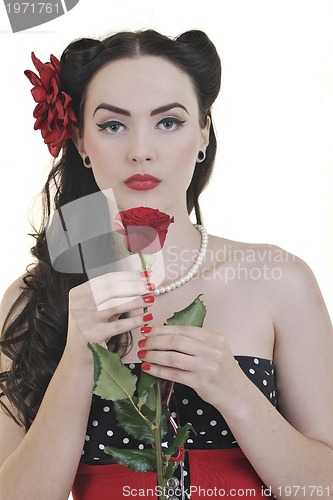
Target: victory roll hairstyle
pixel 34 335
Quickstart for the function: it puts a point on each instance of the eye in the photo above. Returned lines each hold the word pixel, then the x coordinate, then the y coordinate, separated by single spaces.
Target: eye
pixel 170 123
pixel 112 126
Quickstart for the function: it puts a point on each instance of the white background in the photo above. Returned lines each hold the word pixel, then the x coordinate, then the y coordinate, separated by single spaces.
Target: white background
pixel 273 180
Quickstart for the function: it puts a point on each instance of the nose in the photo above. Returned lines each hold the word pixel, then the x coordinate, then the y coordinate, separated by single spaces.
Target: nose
pixel 139 158
pixel 141 148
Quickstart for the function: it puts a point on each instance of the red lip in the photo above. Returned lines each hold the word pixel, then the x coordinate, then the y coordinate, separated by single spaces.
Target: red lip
pixel 142 182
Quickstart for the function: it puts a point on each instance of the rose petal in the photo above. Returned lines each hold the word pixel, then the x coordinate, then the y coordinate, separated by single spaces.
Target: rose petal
pixel 142 239
pixel 145 228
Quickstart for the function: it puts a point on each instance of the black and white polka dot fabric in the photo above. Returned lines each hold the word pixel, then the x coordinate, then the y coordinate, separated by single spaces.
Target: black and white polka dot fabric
pixel 212 432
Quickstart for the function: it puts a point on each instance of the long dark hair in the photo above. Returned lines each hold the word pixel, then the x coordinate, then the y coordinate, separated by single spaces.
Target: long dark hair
pixel 34 338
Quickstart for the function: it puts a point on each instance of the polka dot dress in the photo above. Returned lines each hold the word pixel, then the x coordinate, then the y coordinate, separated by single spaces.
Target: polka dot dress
pixel 212 432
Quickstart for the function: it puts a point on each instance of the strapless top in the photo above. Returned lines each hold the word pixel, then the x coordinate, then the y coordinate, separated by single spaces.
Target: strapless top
pixel 212 431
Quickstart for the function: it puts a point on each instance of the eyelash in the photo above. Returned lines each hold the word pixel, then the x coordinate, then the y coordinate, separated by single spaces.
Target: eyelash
pixel 173 120
pixel 108 124
pixel 105 126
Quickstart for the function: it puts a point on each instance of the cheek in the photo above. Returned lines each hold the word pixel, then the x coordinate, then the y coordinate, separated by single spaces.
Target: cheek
pixel 94 147
pixel 183 160
pixel 187 152
pixel 101 160
pixel 102 167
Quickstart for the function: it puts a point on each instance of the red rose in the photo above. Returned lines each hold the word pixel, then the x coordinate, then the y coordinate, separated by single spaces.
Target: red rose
pixel 145 228
pixel 54 115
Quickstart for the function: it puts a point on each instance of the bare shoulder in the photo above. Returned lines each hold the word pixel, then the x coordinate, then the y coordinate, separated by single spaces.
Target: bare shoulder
pixel 7 312
pixel 285 281
pixel 10 296
pixel 285 286
pixel 262 263
pixel 250 252
pixel 11 434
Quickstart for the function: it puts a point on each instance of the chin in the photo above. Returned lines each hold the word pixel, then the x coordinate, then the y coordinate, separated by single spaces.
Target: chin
pixel 140 199
pixel 153 198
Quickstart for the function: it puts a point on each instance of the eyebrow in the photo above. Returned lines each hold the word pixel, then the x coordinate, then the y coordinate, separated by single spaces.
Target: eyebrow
pixel 157 111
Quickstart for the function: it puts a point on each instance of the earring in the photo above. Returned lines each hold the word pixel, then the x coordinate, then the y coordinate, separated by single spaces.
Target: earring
pixel 87 161
pixel 201 156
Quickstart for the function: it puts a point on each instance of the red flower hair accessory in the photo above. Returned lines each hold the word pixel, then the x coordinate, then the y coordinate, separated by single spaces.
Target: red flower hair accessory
pixel 54 116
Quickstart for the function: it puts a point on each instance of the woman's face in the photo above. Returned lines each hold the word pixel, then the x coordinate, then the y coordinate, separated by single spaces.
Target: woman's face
pixel 141 119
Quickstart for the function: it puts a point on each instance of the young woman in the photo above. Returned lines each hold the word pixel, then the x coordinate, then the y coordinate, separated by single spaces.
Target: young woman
pixel 256 381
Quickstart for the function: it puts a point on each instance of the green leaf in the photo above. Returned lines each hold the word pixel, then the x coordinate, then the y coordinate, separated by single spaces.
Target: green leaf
pixel 194 314
pixel 136 426
pixel 180 438
pixel 151 400
pixel 130 420
pixel 172 466
pixel 145 390
pixel 113 380
pixel 137 460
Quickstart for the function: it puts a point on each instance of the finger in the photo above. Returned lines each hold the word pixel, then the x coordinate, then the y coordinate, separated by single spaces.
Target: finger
pixel 123 276
pixel 120 306
pixel 169 359
pixel 165 373
pixel 124 291
pixel 188 331
pixel 107 289
pixel 107 330
pixel 99 291
pixel 177 343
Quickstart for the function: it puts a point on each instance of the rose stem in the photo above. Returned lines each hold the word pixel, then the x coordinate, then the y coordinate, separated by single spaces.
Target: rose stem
pixel 158 440
pixel 158 418
pixel 144 267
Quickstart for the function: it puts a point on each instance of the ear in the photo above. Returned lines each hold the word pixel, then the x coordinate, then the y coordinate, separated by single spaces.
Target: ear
pixel 205 133
pixel 78 141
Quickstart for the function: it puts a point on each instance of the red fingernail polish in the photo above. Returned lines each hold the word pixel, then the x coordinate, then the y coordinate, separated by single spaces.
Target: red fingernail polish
pixel 149 299
pixel 147 317
pixel 150 286
pixel 145 329
pixel 142 343
pixel 142 354
pixel 145 366
pixel 145 274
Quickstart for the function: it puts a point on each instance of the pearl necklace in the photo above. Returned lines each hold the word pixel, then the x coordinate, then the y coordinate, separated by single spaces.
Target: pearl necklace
pixel 194 269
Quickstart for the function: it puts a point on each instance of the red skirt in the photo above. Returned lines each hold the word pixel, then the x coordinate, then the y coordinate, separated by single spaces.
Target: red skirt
pixel 213 474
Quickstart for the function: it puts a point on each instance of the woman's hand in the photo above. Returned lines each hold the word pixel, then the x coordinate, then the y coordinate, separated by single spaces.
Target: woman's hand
pixel 94 308
pixel 196 357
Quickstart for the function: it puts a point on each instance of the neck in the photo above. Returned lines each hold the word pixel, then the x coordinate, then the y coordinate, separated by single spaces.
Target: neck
pixel 181 247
